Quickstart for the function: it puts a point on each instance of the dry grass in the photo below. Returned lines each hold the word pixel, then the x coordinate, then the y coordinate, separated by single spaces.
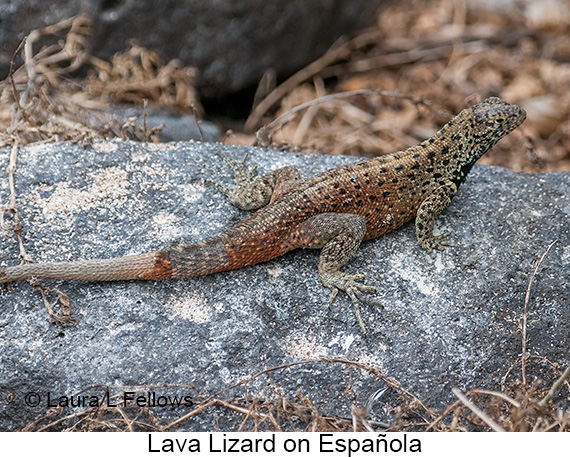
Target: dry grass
pixel 448 55
pixel 271 410
pixel 46 99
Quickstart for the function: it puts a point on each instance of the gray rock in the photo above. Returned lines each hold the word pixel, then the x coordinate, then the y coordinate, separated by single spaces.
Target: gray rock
pixel 231 42
pixel 171 126
pixel 447 323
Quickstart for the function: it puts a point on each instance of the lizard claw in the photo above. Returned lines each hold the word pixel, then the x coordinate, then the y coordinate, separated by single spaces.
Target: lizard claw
pixel 437 243
pixel 224 190
pixel 334 293
pixel 341 281
pixel 240 172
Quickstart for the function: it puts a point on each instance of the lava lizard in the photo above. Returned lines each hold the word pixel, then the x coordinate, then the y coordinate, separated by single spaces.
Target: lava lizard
pixel 333 211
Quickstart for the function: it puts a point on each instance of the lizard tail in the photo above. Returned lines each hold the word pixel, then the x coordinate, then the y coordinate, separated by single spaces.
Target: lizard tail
pixel 143 266
pixel 199 259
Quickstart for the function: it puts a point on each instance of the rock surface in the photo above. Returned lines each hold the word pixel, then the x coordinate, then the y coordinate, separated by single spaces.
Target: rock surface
pixel 446 323
pixel 231 42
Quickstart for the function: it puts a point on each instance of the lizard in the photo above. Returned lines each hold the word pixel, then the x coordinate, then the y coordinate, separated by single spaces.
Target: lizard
pixel 333 211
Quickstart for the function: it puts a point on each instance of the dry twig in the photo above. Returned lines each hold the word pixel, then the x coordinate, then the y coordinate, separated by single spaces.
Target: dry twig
pixel 480 414
pixel 524 356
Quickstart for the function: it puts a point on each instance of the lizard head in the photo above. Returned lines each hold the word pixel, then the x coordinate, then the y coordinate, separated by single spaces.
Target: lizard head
pixel 493 119
pixel 478 130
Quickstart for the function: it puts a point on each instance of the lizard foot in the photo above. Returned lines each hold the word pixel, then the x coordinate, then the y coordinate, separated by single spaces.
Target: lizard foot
pixel 243 180
pixel 338 280
pixel 436 242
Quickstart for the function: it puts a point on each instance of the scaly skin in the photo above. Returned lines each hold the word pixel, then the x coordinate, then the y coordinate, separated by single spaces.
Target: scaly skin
pixel 333 211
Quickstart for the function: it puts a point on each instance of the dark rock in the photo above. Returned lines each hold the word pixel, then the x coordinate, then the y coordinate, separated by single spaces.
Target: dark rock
pixel 446 323
pixel 232 43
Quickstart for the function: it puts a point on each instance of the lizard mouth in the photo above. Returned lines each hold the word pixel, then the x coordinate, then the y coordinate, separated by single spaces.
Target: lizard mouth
pixel 516 118
pixel 520 116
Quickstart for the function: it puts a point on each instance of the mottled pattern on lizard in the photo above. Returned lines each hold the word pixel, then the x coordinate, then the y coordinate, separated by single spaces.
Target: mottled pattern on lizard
pixel 333 211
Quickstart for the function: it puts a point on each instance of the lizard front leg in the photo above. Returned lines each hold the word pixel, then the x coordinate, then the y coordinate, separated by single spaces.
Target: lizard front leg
pixel 427 213
pixel 251 193
pixel 338 235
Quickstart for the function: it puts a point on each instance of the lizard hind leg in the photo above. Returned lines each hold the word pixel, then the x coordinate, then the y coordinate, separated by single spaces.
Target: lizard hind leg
pixel 339 236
